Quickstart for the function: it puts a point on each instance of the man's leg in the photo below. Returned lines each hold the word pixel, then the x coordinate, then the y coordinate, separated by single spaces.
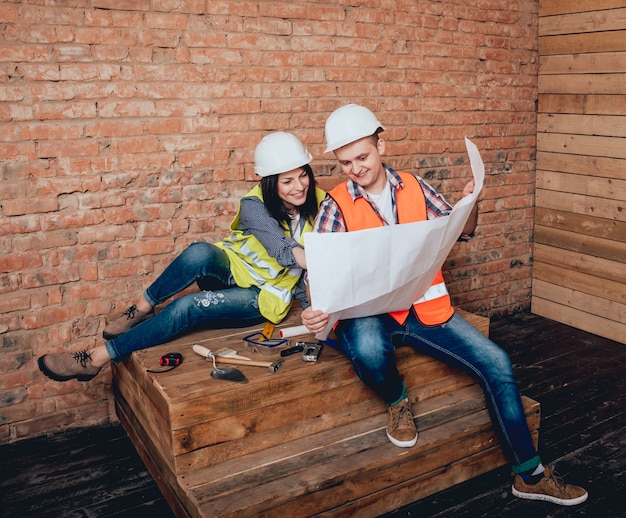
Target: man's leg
pixel 367 343
pixel 459 344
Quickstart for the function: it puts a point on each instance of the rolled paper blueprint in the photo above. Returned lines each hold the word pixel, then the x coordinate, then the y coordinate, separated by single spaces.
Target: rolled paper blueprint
pixel 288 332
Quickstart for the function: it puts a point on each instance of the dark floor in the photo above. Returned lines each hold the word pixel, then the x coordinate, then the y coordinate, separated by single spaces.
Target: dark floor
pixel 577 377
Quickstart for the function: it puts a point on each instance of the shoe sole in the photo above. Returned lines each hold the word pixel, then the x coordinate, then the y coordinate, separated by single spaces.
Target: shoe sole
pixel 548 498
pixel 57 377
pixel 402 444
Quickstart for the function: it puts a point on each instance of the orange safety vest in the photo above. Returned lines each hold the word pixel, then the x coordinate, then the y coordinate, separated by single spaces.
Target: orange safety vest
pixel 434 307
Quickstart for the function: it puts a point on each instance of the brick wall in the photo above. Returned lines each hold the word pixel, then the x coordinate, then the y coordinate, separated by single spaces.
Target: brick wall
pixel 127 131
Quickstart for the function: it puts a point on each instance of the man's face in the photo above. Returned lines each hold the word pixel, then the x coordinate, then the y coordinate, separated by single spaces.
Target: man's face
pixel 361 162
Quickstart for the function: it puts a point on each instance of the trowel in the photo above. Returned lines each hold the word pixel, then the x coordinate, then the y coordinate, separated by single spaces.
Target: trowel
pixel 220 373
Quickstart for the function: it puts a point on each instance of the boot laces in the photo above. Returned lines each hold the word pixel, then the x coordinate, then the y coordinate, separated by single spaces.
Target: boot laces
pixel 82 357
pixel 401 415
pixel 130 312
pixel 559 483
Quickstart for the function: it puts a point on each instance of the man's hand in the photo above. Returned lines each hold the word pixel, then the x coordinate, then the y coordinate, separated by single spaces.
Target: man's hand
pixel 469 189
pixel 315 321
pixel 472 220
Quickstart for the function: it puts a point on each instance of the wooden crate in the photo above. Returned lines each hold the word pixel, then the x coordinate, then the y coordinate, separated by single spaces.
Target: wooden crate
pixel 306 440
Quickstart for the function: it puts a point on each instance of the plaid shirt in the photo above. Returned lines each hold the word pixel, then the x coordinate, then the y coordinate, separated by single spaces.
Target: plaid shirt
pixel 330 218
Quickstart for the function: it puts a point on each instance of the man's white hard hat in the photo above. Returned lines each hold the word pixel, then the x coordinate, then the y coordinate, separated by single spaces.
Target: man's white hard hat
pixel 349 124
pixel 279 152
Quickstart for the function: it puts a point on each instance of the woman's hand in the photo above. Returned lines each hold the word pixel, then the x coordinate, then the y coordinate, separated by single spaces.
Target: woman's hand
pixel 299 256
pixel 315 320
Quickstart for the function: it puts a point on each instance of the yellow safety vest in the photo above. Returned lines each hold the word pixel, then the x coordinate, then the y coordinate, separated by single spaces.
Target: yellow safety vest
pixel 251 265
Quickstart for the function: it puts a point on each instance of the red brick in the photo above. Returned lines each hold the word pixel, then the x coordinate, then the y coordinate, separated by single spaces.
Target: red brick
pixel 130 129
pixel 128 268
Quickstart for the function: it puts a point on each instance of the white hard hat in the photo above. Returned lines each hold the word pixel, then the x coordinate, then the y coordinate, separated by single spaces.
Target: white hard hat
pixel 348 124
pixel 279 152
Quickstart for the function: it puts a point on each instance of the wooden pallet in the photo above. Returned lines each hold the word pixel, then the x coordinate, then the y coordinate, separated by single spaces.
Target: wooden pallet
pixel 307 440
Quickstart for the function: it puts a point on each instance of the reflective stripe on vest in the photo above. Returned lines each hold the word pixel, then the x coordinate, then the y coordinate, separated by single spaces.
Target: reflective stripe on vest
pixel 434 307
pixel 251 265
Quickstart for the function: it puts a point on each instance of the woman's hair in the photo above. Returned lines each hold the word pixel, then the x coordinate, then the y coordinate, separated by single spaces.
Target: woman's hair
pixel 275 206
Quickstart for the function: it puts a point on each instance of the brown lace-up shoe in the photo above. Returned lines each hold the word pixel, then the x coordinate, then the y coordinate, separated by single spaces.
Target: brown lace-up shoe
pixel 401 429
pixel 550 488
pixel 127 320
pixel 67 366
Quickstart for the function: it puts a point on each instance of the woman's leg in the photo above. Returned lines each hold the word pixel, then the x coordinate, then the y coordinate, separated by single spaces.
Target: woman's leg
pixel 200 262
pixel 230 307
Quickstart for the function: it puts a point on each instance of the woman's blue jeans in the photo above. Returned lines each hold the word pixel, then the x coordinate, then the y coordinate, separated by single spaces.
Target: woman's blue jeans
pixel 370 342
pixel 220 304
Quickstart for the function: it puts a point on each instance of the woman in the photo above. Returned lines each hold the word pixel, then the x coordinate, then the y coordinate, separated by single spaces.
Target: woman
pixel 247 278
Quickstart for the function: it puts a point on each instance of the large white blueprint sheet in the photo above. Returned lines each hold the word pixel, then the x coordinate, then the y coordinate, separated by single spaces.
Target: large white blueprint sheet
pixel 375 271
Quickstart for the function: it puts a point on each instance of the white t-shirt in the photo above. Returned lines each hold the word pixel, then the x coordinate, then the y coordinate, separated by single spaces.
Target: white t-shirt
pixel 383 202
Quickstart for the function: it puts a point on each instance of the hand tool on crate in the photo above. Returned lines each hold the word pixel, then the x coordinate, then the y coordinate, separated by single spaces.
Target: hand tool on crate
pixel 231 357
pixel 227 373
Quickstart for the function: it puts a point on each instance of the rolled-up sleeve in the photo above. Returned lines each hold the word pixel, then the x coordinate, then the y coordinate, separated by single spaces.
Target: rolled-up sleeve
pixel 256 219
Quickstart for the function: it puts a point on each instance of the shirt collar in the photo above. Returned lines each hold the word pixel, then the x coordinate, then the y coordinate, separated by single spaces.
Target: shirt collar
pixel 356 191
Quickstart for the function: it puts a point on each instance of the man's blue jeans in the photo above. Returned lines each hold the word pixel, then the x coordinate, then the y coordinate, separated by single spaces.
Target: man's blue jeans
pixel 369 343
pixel 220 304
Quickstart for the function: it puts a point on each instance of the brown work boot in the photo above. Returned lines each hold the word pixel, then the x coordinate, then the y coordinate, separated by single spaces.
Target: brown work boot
pixel 550 488
pixel 401 429
pixel 127 320
pixel 67 366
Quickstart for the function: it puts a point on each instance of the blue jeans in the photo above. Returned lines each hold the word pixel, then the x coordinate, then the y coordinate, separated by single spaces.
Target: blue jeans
pixel 220 304
pixel 370 342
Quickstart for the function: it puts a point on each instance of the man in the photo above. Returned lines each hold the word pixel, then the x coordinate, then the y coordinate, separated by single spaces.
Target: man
pixel 375 195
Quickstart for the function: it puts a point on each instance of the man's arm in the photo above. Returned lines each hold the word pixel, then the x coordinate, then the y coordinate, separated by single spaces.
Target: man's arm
pixel 472 220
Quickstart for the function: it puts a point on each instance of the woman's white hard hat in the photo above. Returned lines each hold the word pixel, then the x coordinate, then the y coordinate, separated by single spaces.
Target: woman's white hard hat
pixel 349 124
pixel 279 152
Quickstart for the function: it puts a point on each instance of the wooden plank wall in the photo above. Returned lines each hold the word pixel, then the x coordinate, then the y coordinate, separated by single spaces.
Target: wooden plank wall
pixel 579 275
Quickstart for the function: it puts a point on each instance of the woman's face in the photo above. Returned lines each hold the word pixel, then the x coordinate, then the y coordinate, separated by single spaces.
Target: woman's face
pixel 293 187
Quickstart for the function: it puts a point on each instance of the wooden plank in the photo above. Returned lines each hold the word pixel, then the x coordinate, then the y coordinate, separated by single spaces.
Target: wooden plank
pixel 580 320
pixel 554 7
pixel 579 300
pixel 582 145
pixel 589 284
pixel 582 263
pixel 596 63
pixel 588 104
pixel 598 188
pixel 358 467
pixel 299 417
pixel 583 165
pixel 581 224
pixel 596 247
pixel 430 414
pixel 580 204
pixel 165 478
pixel 610 41
pixel 590 21
pixel 404 493
pixel 134 396
pixel 607 125
pixel 593 84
